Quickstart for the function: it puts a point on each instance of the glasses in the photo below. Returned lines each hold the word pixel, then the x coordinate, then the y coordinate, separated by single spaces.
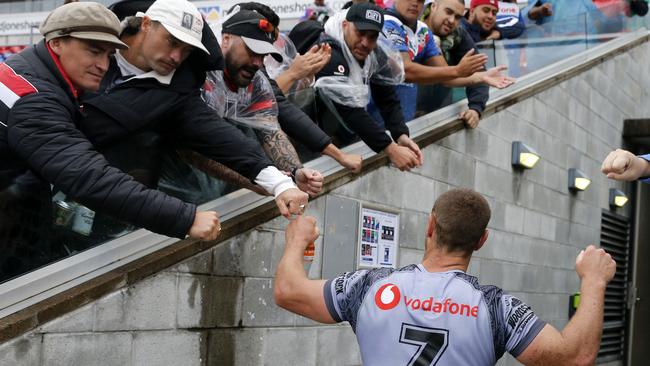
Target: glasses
pixel 263 24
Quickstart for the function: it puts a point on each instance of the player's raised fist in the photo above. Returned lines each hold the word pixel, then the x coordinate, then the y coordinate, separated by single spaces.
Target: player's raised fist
pixel 302 231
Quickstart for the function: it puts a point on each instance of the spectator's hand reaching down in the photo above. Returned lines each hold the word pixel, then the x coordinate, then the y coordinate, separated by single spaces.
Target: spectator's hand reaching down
pixel 291 202
pixel 495 34
pixel 352 162
pixel 406 141
pixel 206 226
pixel 309 180
pixel 471 118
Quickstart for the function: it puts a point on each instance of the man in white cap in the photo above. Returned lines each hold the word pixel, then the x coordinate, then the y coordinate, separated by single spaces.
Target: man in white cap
pixel 152 88
pixel 41 146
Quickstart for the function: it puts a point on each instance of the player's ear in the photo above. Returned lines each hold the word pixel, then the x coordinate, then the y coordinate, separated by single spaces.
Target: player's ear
pixel 431 226
pixel 482 240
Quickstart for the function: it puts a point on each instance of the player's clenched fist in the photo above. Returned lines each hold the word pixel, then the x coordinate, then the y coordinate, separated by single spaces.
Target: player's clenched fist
pixel 301 231
pixel 206 226
pixel 595 265
pixel 623 165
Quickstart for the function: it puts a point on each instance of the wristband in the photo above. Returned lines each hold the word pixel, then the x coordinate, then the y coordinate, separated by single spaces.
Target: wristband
pixel 293 174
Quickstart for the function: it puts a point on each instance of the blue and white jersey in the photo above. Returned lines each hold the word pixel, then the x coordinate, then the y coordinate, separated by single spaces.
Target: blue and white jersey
pixel 419 43
pixel 410 316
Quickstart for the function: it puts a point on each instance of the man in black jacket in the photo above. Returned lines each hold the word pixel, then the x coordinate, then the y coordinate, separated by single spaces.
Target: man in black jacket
pixel 443 18
pixel 153 89
pixel 41 146
pixel 358 38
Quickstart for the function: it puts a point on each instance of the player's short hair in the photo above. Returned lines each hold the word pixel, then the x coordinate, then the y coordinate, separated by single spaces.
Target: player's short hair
pixel 461 218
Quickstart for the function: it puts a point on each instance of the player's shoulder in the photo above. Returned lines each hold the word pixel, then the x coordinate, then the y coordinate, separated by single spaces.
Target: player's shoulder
pixel 377 274
pixel 490 293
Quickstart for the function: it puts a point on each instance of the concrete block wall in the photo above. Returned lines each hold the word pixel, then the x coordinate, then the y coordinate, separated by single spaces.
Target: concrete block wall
pixel 217 308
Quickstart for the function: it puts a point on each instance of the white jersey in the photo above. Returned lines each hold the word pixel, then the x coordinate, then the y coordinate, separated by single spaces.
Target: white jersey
pixel 410 316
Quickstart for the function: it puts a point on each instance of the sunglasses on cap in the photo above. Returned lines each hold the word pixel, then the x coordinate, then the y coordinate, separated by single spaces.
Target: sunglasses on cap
pixel 263 24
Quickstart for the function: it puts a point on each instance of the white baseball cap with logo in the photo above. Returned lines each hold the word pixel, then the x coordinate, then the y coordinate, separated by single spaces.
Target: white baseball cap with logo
pixel 180 18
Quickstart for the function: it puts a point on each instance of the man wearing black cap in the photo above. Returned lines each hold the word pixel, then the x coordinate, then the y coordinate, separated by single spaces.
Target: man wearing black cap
pixel 246 39
pixel 353 39
pixel 257 34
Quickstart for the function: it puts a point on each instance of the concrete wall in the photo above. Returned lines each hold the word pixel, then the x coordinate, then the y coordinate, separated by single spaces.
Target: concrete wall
pixel 217 308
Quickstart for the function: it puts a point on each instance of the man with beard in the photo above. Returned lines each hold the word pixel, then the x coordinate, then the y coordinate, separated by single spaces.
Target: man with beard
pixel 245 43
pixel 482 19
pixel 423 62
pixel 294 122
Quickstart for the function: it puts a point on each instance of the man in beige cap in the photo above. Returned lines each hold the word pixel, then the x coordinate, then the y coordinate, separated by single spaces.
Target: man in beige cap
pixel 41 146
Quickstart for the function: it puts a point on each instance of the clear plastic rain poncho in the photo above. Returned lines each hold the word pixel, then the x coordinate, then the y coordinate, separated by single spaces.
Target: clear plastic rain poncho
pixel 287 49
pixel 301 92
pixel 253 106
pixel 383 66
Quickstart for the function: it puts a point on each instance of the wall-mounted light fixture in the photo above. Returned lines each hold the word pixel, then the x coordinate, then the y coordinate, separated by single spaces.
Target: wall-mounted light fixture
pixel 523 156
pixel 617 198
pixel 578 181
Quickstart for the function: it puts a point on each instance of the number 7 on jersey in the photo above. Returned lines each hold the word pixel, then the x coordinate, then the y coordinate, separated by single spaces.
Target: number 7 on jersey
pixel 431 343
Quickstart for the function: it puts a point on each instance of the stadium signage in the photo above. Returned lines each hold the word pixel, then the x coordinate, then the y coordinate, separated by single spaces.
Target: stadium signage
pixel 21 23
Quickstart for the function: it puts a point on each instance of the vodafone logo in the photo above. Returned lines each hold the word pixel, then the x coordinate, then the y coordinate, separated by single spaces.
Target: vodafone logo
pixel 387 297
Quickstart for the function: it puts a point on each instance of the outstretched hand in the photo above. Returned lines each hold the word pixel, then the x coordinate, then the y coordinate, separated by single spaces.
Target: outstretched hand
pixel 470 63
pixel 495 77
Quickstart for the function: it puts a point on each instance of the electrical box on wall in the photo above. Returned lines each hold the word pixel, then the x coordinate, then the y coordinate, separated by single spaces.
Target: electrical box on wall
pixel 378 238
pixel 339 233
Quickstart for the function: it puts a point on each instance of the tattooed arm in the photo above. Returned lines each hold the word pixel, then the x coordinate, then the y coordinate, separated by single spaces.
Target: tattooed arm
pixel 219 171
pixel 277 146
